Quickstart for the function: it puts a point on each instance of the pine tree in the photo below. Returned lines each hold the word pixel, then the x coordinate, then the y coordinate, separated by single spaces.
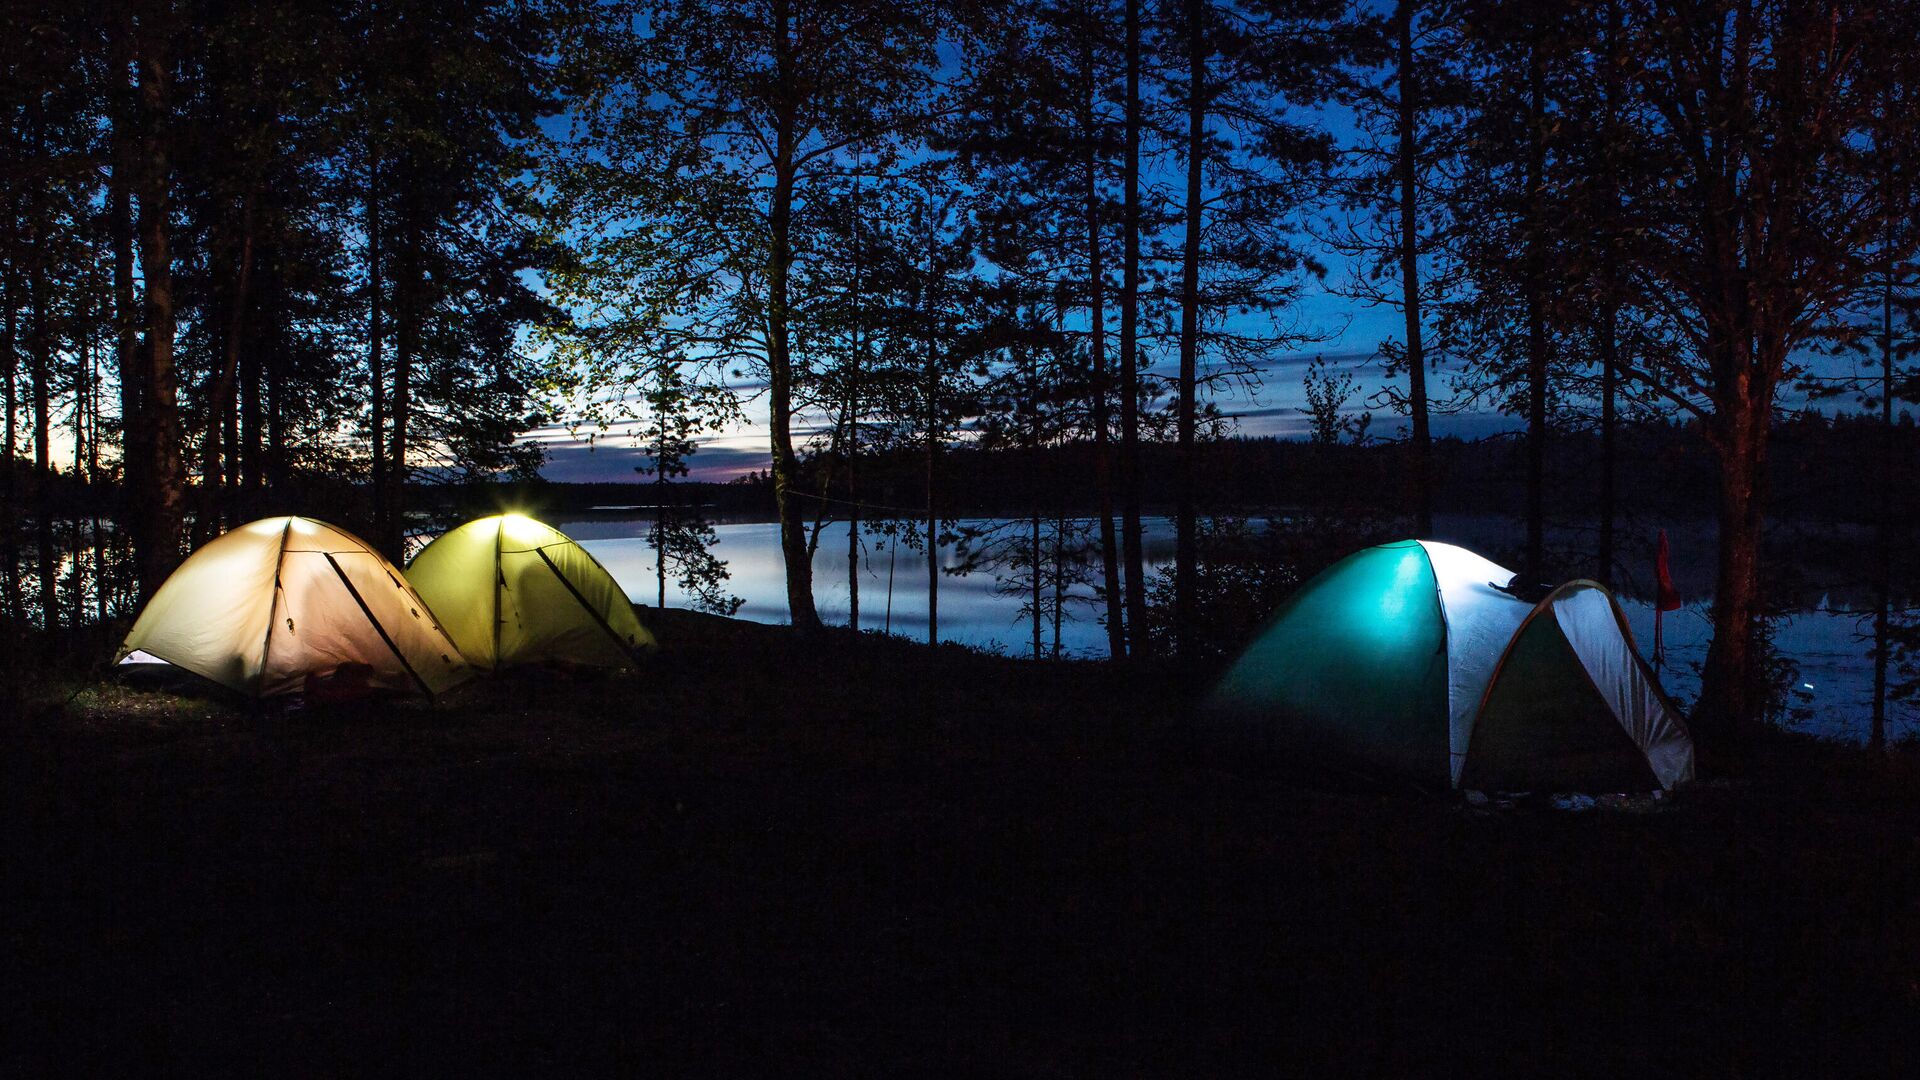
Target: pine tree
pixel 1755 216
pixel 701 181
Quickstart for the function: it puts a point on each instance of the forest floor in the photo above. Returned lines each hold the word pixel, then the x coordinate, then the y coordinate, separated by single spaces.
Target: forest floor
pixel 762 855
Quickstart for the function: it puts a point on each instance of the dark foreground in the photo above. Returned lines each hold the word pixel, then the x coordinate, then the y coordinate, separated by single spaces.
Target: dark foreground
pixel 903 864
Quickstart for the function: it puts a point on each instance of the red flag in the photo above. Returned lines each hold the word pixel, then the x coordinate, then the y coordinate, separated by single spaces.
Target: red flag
pixel 1669 597
pixel 1666 597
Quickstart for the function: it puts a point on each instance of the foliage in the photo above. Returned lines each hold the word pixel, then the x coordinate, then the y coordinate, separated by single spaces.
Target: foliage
pixel 1247 571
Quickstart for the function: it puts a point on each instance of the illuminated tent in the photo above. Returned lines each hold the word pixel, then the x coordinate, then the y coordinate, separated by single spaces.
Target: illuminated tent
pixel 1408 658
pixel 511 590
pixel 270 605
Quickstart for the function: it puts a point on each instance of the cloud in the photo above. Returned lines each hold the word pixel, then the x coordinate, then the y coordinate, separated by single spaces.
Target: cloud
pixel 614 461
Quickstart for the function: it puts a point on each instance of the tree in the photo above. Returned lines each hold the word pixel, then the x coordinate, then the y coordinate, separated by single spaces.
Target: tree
pixel 1879 327
pixel 705 127
pixel 1407 102
pixel 1036 120
pixel 456 93
pixel 1031 407
pixel 1132 541
pixel 154 435
pixel 1759 212
pixel 681 536
pixel 216 147
pixel 1407 108
pixel 1250 168
pixel 48 190
pixel 1504 201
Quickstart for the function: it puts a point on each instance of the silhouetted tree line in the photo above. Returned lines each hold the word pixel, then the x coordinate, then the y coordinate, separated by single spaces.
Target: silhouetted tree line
pixel 256 251
pixel 256 257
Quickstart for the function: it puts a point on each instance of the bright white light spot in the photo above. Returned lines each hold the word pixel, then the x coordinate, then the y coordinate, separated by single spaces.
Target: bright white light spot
pixel 521 529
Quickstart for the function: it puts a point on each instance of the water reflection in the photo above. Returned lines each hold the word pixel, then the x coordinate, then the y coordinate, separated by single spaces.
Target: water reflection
pixel 893 583
pixel 1834 682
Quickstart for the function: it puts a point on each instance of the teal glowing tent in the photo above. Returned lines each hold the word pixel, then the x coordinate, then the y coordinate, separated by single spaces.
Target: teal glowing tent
pixel 1411 659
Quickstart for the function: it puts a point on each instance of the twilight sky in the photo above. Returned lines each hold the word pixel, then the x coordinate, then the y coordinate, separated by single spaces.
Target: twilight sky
pixel 1349 336
pixel 1352 335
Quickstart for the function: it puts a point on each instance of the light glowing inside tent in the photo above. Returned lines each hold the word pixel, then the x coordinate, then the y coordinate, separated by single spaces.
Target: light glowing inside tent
pixel 521 529
pixel 1406 584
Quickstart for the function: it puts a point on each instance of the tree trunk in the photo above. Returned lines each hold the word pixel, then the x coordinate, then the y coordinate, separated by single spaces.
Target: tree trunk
pixel 786 465
pixel 221 404
pixel 82 395
pixel 95 485
pixel 40 370
pixel 1416 358
pixel 1732 682
pixel 274 468
pixel 1609 427
pixel 1186 539
pixel 1534 568
pixel 1059 577
pixel 1883 513
pixel 1131 540
pixel 852 441
pixel 40 374
pixel 660 516
pixel 9 491
pixel 376 346
pixel 135 451
pixel 933 516
pixel 1034 517
pixel 853 555
pixel 1102 379
pixel 1609 328
pixel 1036 581
pixel 933 455
pixel 156 532
pixel 409 313
pixel 252 374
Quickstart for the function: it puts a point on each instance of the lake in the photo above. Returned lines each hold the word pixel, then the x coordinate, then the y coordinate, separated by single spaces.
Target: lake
pixel 1825 639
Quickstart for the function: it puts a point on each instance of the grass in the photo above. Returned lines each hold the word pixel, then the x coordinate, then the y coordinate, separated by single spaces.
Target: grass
pixel 767 855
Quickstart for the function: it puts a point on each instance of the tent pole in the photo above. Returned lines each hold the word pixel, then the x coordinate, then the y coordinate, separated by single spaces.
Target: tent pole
pixel 279 561
pixel 379 629
pixel 499 587
pixel 588 608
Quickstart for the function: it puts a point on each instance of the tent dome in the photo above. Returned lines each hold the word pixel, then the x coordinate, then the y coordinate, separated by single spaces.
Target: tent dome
pixel 267 606
pixel 511 590
pixel 1410 658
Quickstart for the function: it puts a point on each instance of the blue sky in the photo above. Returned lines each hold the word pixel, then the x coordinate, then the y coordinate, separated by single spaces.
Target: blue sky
pixel 1273 409
pixel 1348 335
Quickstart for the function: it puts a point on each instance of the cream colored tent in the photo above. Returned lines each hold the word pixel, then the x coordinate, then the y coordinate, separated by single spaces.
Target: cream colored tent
pixel 511 590
pixel 269 605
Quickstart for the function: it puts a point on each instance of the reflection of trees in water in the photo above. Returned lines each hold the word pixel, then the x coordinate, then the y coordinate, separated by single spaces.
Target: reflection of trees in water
pixel 1049 563
pixel 91 574
pixel 681 538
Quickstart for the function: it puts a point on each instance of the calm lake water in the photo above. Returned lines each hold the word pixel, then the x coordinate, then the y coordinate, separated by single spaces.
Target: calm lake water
pixel 1826 640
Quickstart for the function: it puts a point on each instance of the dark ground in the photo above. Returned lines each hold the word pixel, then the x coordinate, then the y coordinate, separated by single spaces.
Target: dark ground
pixel 903 864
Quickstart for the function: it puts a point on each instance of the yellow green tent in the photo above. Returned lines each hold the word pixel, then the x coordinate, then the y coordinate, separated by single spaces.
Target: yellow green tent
pixel 267 606
pixel 511 590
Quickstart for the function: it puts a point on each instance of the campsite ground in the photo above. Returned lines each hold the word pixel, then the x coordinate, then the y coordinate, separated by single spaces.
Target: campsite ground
pixel 764 856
